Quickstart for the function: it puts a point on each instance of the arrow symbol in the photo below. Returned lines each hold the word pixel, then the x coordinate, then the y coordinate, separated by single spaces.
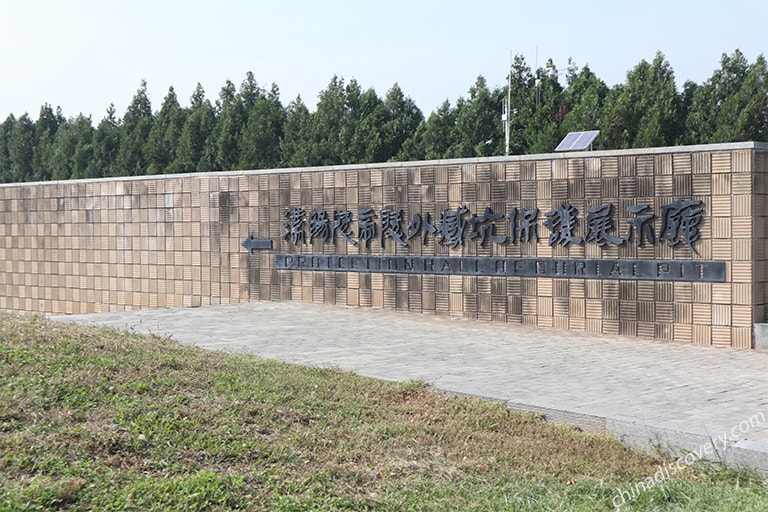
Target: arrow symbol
pixel 254 243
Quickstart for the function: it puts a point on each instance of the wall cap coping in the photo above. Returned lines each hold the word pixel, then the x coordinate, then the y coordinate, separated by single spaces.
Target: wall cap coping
pixel 698 148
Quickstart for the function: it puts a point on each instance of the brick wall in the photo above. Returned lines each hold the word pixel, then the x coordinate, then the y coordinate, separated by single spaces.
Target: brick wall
pixel 175 241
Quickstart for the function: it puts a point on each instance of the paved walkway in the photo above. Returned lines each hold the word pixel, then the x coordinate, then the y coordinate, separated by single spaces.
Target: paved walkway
pixel 683 398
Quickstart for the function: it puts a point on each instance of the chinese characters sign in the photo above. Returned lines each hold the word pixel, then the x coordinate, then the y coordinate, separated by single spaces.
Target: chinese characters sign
pixel 601 225
pixel 679 224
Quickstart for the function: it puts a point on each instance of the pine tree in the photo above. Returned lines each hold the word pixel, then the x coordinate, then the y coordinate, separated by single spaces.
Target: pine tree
pixel 6 131
pixel 106 145
pixel 713 104
pixel 584 99
pixel 192 154
pixel 413 147
pixel 477 122
pixel 82 161
pixel 403 118
pixel 259 143
pixel 160 148
pixel 441 136
pixel 543 131
pixel 132 159
pixel 645 111
pixel 47 125
pixel 743 115
pixel 295 146
pixel 229 126
pixel 522 95
pixel 367 142
pixel 752 120
pixel 73 150
pixel 21 149
pixel 249 91
pixel 333 122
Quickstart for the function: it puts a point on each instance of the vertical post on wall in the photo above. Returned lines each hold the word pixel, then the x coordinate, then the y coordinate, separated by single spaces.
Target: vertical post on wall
pixel 507 107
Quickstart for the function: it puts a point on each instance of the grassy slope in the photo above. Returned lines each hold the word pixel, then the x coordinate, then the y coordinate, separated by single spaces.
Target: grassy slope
pixel 97 419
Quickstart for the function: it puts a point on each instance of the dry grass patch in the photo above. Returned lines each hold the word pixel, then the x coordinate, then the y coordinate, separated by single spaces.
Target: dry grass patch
pixel 93 418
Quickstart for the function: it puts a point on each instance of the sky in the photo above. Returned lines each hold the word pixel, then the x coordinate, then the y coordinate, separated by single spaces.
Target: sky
pixel 83 55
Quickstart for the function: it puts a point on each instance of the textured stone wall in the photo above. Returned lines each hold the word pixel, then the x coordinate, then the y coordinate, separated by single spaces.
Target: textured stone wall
pixel 170 241
pixel 83 246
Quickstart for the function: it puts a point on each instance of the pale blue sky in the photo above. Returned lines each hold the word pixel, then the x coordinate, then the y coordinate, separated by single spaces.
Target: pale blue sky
pixel 83 55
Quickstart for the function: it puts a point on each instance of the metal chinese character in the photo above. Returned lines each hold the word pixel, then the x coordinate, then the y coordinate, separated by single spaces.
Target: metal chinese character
pixel 679 223
pixel 428 227
pixel 295 226
pixel 562 224
pixel 512 216
pixel 392 226
pixel 319 226
pixel 414 227
pixel 452 226
pixel 342 224
pixel 366 226
pixel 643 224
pixel 419 223
pixel 528 226
pixel 599 222
pixel 484 228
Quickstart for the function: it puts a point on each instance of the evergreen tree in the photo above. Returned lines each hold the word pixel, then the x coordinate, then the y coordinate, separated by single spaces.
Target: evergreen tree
pixel 21 149
pixel 381 127
pixel 295 149
pixel 743 115
pixel 83 159
pixel 132 159
pixel 477 122
pixel 413 147
pixel 584 99
pixel 160 148
pixel 229 126
pixel 333 122
pixel 522 95
pixel 73 150
pixel 440 138
pixel 353 102
pixel 403 118
pixel 249 92
pixel 250 128
pixel 645 111
pixel 106 145
pixel 367 143
pixel 47 125
pixel 751 111
pixel 713 104
pixel 687 97
pixel 6 131
pixel 198 128
pixel 543 131
pixel 260 139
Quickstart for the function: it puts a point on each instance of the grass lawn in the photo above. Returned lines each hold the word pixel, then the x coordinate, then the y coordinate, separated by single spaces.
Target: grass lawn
pixel 95 419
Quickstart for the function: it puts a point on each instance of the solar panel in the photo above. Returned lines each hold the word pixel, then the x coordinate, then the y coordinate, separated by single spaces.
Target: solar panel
pixel 578 141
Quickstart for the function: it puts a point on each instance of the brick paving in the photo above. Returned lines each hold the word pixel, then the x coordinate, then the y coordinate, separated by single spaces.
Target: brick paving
pixel 648 394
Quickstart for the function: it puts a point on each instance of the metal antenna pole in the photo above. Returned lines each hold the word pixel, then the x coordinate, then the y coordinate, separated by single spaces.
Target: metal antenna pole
pixel 508 106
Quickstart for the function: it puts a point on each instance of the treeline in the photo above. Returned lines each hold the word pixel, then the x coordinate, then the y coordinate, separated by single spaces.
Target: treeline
pixel 247 127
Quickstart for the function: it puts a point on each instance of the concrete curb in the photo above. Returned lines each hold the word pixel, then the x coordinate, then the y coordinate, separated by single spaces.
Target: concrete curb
pixel 657 437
